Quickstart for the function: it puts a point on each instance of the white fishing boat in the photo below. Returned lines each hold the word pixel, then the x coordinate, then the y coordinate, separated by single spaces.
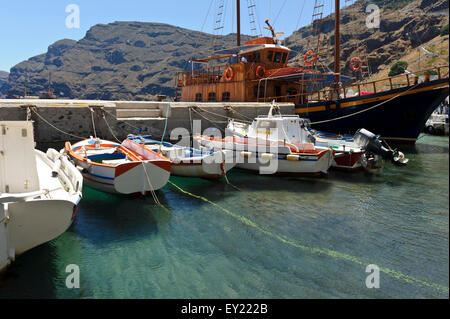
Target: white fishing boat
pixel 437 124
pixel 348 154
pixel 39 193
pixel 113 168
pixel 272 157
pixel 186 161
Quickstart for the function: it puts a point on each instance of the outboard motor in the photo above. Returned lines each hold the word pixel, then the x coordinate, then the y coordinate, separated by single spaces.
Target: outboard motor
pixel 371 143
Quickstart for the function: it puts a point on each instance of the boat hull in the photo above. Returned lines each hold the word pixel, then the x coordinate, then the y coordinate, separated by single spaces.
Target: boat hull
pixel 129 177
pixel 201 169
pixel 210 166
pixel 313 166
pixel 399 119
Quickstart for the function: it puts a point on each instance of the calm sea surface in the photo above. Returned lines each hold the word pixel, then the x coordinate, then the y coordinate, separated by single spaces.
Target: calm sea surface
pixel 277 238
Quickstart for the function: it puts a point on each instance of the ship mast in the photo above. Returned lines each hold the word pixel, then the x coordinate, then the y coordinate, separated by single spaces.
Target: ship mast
pixel 238 12
pixel 337 45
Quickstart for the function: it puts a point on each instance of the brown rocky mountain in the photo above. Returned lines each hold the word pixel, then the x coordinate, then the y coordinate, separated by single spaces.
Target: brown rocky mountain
pixel 404 26
pixel 120 60
pixel 3 76
pixel 135 60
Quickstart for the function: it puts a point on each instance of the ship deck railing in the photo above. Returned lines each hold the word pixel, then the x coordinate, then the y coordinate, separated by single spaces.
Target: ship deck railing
pixel 363 88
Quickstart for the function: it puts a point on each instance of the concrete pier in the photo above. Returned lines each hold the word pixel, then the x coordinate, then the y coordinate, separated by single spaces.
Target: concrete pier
pixel 75 117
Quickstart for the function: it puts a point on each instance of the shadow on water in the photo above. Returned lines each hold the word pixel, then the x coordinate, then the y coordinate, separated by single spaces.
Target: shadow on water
pixel 31 270
pixel 248 180
pixel 120 218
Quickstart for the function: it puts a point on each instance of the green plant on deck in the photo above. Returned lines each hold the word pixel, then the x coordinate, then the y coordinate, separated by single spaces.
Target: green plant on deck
pixel 428 72
pixel 398 68
pixel 444 30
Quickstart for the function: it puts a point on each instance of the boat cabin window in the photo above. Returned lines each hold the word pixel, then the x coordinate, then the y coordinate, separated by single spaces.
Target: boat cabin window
pixel 226 97
pixel 254 57
pixel 277 57
pixel 266 124
pixel 198 97
pixel 270 56
pixel 212 97
pixel 291 92
pixel 283 59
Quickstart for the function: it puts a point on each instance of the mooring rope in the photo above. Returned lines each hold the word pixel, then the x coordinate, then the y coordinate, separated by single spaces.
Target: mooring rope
pixel 59 130
pixel 93 123
pixel 152 191
pixel 211 121
pixel 110 129
pixel 313 250
pixel 220 115
pixel 124 121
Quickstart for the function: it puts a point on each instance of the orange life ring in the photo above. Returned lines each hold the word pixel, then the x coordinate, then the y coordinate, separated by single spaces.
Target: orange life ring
pixel 353 61
pixel 306 58
pixel 260 72
pixel 229 74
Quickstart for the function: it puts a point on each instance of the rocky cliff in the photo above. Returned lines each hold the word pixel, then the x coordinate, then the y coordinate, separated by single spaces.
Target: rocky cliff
pixel 134 60
pixel 121 60
pixel 3 77
pixel 404 26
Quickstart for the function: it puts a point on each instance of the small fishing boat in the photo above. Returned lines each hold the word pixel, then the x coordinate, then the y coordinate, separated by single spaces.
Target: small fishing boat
pixel 348 154
pixel 39 192
pixel 272 157
pixel 113 168
pixel 437 124
pixel 186 161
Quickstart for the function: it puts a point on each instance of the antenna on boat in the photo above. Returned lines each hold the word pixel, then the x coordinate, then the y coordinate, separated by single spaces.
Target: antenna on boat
pixel 337 45
pixel 238 13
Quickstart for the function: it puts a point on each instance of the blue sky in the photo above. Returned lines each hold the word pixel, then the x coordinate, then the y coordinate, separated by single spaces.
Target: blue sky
pixel 28 27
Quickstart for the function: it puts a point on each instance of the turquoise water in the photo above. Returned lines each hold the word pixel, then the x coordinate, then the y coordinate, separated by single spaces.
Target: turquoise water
pixel 279 237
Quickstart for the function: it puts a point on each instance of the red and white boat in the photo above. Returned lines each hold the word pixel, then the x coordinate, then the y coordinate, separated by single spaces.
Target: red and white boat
pixel 113 168
pixel 186 161
pixel 360 152
pixel 272 157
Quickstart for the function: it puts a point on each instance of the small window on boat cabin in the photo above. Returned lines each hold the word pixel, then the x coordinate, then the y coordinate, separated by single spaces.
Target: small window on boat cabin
pixel 291 92
pixel 257 57
pixel 277 57
pixel 198 97
pixel 270 56
pixel 212 97
pixel 226 97
pixel 266 124
pixel 283 59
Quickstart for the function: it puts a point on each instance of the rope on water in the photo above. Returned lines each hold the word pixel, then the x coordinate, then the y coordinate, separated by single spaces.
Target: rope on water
pixel 314 250
pixel 368 109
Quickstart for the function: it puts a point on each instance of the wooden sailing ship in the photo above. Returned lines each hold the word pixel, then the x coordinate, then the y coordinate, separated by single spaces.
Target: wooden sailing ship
pixel 397 107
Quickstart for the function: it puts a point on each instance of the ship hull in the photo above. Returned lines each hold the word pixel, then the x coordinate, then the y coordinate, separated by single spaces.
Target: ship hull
pixel 398 115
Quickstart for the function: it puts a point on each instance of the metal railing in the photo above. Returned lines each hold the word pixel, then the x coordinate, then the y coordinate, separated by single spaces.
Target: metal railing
pixel 369 87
